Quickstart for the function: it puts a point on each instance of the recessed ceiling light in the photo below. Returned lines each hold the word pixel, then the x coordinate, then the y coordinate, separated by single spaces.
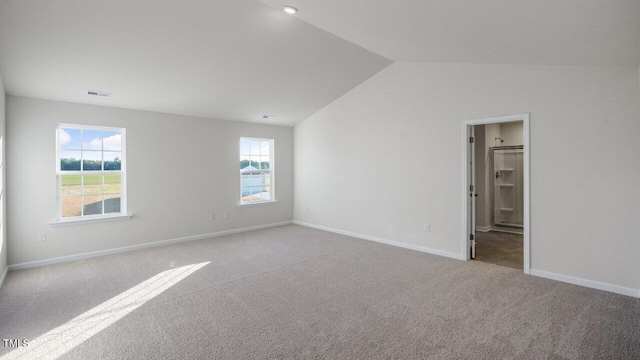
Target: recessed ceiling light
pixel 289 9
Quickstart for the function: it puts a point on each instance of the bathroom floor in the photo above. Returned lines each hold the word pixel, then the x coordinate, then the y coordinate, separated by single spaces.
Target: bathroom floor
pixel 500 248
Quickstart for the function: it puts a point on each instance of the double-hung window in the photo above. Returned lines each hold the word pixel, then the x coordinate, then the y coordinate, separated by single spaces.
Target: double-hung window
pixel 90 172
pixel 256 171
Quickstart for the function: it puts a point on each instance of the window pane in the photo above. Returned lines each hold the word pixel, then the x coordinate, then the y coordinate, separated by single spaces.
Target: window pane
pixel 92 185
pixel 265 148
pixel 71 185
pixel 267 179
pixel 69 138
pixel 266 195
pixel 255 161
pixel 264 162
pixel 253 194
pixel 91 140
pixel 244 163
pixel 71 206
pixel 112 160
pixel 92 160
pixel 244 148
pixel 245 182
pixel 70 160
pixel 112 189
pixel 256 180
pixel 113 184
pixel 92 204
pixel 111 204
pixel 255 147
pixel 112 140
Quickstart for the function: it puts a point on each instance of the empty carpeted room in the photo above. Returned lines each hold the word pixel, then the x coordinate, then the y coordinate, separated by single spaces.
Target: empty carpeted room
pixel 261 179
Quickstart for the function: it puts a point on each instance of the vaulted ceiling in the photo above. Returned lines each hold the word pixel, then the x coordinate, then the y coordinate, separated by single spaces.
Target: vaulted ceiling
pixel 230 60
pixel 546 32
pixel 242 59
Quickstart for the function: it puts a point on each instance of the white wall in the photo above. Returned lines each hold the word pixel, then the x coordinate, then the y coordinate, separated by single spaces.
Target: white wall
pixel 386 158
pixel 3 221
pixel 179 169
pixel 511 133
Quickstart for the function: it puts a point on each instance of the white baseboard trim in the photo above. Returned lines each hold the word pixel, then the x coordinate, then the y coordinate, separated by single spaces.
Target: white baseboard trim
pixel 384 241
pixel 508 231
pixel 37 263
pixel 587 283
pixel 483 228
pixel 4 276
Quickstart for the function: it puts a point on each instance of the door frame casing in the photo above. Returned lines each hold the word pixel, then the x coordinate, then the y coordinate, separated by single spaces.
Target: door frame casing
pixel 466 221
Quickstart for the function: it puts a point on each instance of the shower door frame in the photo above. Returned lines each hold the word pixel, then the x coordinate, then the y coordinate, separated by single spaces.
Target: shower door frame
pixel 500 227
pixel 467 182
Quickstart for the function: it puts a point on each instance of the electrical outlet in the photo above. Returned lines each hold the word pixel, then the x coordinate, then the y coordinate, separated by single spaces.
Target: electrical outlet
pixel 42 236
pixel 427 227
pixel 226 214
pixel 212 217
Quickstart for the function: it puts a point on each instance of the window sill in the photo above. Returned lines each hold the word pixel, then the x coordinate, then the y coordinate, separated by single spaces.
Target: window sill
pixel 257 203
pixel 83 221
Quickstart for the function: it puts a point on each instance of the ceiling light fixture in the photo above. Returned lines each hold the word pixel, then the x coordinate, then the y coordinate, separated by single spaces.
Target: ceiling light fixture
pixel 289 9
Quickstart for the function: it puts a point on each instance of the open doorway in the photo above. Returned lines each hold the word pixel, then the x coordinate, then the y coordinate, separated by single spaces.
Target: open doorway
pixel 499 202
pixel 496 211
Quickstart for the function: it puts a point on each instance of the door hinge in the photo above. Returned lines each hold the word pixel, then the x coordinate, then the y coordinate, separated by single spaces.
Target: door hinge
pixel 470 187
pixel 471 139
pixel 471 237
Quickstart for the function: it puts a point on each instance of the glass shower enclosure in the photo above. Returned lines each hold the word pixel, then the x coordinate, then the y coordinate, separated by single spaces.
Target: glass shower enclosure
pixel 507 198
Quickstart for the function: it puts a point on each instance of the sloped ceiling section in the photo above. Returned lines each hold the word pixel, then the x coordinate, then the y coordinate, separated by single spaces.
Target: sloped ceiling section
pixel 545 32
pixel 230 60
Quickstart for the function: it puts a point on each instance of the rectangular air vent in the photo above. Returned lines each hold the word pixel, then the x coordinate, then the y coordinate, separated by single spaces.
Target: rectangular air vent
pixel 101 94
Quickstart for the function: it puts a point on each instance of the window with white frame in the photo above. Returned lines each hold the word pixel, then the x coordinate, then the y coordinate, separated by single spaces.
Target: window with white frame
pixel 90 171
pixel 256 171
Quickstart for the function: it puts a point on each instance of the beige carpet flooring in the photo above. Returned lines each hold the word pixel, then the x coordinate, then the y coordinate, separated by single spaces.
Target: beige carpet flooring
pixel 298 293
pixel 500 248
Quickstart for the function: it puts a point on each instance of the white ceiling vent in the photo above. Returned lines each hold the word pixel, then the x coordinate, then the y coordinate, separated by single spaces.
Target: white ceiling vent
pixel 101 94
